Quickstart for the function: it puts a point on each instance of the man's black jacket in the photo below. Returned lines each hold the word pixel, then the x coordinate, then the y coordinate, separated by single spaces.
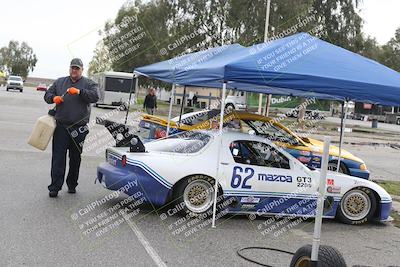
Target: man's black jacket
pixel 150 101
pixel 75 110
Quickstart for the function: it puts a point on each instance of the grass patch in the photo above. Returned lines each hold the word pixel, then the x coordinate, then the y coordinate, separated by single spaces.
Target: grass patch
pixel 396 218
pixel 392 187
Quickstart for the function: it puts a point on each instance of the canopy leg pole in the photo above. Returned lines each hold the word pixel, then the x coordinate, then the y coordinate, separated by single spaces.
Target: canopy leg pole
pixel 320 201
pixel 268 98
pixel 170 107
pixel 136 89
pixel 221 124
pixel 260 99
pixel 183 101
pixel 133 89
pixel 267 105
pixel 342 127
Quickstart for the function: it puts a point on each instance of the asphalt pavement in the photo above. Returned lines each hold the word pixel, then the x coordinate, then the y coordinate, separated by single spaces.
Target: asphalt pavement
pixel 39 231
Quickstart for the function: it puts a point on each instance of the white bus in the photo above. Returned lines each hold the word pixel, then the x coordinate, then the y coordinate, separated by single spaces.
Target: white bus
pixel 114 87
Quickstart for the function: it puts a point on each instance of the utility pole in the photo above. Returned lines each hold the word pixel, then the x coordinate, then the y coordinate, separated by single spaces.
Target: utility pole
pixel 260 98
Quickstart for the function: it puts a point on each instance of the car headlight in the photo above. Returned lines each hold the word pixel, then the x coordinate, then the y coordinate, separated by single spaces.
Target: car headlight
pixel 363 167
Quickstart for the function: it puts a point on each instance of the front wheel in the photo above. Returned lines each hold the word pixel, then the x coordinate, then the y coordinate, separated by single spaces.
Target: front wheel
pixel 327 257
pixel 357 206
pixel 197 194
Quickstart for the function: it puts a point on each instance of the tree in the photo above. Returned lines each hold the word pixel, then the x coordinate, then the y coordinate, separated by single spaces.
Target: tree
pixel 341 23
pixel 100 61
pixel 247 18
pixel 175 27
pixel 18 59
pixel 391 52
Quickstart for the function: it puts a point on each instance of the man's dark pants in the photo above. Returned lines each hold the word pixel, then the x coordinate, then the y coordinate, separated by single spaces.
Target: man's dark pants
pixel 71 139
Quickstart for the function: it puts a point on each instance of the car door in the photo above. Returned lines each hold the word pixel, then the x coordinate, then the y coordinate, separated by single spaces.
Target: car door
pixel 260 175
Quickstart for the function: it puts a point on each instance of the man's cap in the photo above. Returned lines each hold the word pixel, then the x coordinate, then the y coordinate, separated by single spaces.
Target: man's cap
pixel 76 62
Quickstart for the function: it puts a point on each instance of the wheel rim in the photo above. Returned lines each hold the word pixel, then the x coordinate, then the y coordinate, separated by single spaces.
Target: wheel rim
pixel 356 205
pixel 303 262
pixel 198 196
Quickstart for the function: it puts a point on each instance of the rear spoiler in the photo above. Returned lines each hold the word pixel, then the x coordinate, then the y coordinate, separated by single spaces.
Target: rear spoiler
pixel 122 135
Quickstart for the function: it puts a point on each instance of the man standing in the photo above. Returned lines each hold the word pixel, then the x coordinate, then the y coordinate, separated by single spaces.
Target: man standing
pixel 150 102
pixel 72 96
pixel 194 99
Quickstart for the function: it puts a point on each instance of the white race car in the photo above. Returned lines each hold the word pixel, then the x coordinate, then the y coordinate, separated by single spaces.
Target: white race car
pixel 255 174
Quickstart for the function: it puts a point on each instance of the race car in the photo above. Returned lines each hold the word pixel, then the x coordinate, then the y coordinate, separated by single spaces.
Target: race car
pixel 253 173
pixel 306 150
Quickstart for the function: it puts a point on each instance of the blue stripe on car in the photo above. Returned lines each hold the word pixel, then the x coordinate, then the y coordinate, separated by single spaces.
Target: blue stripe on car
pixel 151 172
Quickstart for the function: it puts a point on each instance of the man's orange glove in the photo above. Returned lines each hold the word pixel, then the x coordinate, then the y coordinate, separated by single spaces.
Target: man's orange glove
pixel 58 100
pixel 73 91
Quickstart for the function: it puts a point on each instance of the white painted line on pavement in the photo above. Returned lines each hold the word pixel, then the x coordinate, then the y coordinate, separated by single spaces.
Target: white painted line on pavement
pixel 150 250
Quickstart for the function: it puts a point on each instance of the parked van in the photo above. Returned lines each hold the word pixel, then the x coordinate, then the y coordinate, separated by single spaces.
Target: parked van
pixel 237 101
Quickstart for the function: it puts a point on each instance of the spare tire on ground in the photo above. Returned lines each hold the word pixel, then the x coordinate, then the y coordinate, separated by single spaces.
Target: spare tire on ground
pixel 327 257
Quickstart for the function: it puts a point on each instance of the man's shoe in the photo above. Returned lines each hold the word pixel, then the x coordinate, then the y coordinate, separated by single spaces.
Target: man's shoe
pixel 72 191
pixel 53 193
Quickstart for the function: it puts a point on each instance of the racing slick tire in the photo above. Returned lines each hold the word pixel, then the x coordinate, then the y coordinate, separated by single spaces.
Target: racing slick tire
pixel 357 206
pixel 196 193
pixel 327 257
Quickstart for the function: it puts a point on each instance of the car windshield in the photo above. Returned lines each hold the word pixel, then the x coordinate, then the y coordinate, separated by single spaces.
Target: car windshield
pixel 183 143
pixel 14 78
pixel 272 132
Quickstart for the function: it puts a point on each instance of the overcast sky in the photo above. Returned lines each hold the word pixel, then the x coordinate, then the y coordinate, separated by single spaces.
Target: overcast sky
pixel 60 30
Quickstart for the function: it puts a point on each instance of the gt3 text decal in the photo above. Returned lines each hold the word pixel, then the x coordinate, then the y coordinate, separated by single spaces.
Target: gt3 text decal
pixel 303 181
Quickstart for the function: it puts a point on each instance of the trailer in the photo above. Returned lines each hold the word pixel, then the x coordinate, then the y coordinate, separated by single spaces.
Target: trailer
pixel 114 88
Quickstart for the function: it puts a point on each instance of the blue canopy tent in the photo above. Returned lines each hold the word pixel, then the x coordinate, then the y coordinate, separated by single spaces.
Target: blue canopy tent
pixel 299 64
pixel 305 63
pixel 207 69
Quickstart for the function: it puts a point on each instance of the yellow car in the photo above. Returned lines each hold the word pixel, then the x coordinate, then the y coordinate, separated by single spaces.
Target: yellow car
pixel 306 150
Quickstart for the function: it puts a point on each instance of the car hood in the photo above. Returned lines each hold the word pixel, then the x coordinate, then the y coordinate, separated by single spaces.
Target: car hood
pixel 11 81
pixel 318 146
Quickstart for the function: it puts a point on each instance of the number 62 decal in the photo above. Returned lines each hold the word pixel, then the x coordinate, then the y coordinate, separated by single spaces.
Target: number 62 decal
pixel 237 177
